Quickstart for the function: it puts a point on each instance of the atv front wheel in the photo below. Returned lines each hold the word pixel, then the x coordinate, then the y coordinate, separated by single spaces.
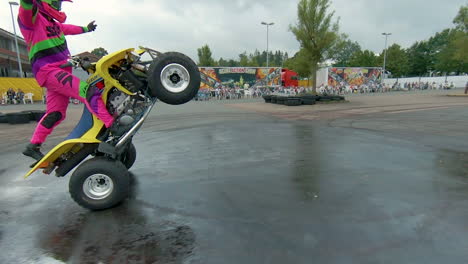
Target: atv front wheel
pixel 173 78
pixel 99 183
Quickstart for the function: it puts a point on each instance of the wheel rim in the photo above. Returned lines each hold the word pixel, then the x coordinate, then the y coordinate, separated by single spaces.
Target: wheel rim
pixel 98 186
pixel 175 78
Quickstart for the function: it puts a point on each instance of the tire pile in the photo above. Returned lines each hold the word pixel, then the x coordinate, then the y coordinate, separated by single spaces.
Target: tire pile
pixel 301 100
pixel 22 117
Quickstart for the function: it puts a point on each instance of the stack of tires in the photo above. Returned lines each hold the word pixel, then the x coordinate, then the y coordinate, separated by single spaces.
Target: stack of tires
pixel 267 98
pixel 23 117
pixel 281 100
pixel 293 101
pixel 301 100
pixel 309 99
pixel 284 100
pixel 3 118
pixel 273 99
pixel 328 98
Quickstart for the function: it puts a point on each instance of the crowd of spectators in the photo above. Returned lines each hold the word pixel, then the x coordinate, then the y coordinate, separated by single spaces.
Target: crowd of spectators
pixel 380 88
pixel 227 93
pixel 13 97
pixel 235 93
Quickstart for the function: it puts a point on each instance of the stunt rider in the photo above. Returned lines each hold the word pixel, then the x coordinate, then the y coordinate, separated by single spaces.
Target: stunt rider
pixel 41 23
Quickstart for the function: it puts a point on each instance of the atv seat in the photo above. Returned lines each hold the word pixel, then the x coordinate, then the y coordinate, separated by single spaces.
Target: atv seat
pixel 83 126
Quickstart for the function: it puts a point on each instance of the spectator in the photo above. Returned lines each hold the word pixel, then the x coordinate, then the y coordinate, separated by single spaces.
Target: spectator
pixel 446 86
pixel 19 96
pixel 11 96
pixel 466 88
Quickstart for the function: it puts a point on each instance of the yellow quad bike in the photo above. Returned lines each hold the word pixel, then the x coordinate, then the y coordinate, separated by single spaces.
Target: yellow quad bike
pixel 131 81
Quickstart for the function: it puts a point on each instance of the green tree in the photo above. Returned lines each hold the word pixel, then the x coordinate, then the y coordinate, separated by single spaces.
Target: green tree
pixel 436 46
pixel 364 58
pixel 460 39
pixel 420 59
pixel 299 63
pixel 243 60
pixel 316 32
pixel 222 62
pixel 205 57
pixel 397 61
pixel 345 50
pixel 451 53
pixel 461 20
pixel 277 59
pixel 233 63
pixel 460 47
pixel 100 52
pixel 258 59
pixel 453 56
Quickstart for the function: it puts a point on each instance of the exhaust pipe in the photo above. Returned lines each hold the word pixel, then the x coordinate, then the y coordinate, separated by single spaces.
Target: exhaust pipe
pixel 135 128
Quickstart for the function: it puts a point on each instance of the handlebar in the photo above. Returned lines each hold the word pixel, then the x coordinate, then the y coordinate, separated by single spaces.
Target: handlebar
pixel 66 65
pixel 77 62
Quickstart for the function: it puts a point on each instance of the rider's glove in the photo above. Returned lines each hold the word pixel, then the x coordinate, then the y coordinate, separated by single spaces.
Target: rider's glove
pixel 91 26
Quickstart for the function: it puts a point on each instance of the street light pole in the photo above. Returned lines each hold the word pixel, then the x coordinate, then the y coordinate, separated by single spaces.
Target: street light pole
pixel 12 3
pixel 268 24
pixel 385 57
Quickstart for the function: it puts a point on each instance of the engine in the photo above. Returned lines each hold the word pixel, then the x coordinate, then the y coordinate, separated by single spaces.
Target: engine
pixel 127 109
pixel 119 104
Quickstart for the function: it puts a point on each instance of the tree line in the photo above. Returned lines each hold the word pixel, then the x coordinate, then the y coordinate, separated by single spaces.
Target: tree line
pixel 322 44
pixel 256 59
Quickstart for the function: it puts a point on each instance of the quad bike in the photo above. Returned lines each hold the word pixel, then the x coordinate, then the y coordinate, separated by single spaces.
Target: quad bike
pixel 130 87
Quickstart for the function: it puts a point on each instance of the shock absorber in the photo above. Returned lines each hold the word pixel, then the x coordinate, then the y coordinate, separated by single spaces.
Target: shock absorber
pixel 127 76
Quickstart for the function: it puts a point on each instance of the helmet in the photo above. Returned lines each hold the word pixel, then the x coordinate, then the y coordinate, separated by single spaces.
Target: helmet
pixel 52 9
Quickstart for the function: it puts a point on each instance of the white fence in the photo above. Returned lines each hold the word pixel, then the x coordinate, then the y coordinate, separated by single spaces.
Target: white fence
pixel 458 81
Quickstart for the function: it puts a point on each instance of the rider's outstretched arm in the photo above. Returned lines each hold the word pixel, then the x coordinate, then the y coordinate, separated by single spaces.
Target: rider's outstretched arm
pixel 75 30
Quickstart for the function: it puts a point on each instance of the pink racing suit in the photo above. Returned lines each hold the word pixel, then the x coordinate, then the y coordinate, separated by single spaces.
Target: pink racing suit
pixel 48 50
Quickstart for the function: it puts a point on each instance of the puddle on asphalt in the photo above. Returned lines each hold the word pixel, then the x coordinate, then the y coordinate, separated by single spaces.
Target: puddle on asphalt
pixel 125 234
pixel 306 162
pixel 73 243
pixel 452 162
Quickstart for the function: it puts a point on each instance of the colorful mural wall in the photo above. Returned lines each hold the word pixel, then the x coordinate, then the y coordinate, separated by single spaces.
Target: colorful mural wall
pixel 353 76
pixel 214 77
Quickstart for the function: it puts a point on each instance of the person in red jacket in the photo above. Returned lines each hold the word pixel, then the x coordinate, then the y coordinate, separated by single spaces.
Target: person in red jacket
pixel 42 25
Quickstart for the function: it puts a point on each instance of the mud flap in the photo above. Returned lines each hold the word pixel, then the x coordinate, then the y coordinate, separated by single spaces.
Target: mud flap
pixel 54 155
pixel 108 149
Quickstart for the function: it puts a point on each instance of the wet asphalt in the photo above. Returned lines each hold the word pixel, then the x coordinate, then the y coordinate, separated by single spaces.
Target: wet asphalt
pixel 217 184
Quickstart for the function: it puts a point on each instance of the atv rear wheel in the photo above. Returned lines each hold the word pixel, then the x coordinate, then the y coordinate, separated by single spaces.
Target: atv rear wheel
pixel 173 78
pixel 99 183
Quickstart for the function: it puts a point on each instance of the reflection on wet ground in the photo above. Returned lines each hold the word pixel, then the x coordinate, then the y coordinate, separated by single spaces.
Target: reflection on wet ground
pixel 257 189
pixel 114 238
pixel 125 234
pixel 453 163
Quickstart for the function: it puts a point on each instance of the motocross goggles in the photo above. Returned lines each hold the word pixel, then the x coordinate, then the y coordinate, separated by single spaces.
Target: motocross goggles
pixel 55 4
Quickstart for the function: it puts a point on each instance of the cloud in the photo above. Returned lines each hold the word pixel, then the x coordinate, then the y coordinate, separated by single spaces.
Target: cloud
pixel 232 27
pixel 408 21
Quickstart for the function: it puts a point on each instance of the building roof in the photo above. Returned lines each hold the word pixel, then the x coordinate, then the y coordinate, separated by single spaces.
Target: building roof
pixel 10 35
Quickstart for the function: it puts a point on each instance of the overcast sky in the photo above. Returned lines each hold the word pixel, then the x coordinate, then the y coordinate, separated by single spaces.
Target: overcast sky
pixel 231 27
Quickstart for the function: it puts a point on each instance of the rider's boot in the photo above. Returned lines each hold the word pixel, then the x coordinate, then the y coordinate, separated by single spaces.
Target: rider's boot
pixel 33 151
